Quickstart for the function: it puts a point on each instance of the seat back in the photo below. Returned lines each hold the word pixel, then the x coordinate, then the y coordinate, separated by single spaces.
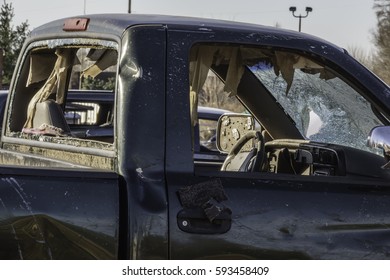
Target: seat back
pixel 50 113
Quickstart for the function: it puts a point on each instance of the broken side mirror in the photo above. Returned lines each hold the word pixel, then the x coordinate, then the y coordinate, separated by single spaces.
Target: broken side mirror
pixel 380 138
pixel 231 128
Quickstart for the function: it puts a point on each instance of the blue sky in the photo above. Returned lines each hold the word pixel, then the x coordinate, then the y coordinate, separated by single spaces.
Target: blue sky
pixel 347 23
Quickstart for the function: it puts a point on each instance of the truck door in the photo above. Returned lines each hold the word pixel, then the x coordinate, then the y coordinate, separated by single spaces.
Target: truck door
pixel 317 193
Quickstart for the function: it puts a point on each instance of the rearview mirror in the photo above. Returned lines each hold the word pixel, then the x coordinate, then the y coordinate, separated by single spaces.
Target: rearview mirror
pixel 231 127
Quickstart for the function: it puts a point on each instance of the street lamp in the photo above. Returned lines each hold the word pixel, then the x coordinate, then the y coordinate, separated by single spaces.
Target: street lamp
pixel 294 9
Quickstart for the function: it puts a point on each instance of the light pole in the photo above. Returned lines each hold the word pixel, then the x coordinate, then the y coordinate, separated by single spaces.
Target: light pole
pixel 129 6
pixel 294 9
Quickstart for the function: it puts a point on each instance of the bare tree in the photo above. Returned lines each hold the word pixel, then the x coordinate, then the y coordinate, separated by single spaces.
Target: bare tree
pixel 361 55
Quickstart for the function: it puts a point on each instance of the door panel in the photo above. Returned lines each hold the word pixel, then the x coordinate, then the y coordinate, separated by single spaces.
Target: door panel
pixel 294 219
pixel 52 214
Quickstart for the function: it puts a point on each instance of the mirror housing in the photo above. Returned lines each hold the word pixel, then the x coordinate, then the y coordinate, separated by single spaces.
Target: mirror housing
pixel 379 137
pixel 232 127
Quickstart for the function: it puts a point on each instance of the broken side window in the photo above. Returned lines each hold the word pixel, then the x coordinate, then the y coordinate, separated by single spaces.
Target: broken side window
pixel 294 98
pixel 65 94
pixel 323 106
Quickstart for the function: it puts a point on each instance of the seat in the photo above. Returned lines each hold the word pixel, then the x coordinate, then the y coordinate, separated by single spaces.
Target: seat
pixel 50 115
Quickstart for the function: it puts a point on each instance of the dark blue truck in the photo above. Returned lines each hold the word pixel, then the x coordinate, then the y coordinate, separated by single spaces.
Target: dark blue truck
pixel 294 176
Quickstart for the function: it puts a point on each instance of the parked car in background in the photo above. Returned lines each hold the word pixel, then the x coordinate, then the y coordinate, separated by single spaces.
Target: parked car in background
pixel 90 114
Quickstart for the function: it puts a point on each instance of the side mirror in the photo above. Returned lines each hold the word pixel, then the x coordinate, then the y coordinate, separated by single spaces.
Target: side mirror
pixel 232 127
pixel 380 138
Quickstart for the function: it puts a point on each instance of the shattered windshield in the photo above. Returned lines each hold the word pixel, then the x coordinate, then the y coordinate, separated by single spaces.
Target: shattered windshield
pixel 323 107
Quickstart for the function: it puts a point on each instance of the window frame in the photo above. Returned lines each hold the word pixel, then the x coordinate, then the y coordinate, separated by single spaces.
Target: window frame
pixel 41 146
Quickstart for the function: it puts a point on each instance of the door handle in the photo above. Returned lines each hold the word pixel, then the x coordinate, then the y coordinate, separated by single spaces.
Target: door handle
pixel 195 220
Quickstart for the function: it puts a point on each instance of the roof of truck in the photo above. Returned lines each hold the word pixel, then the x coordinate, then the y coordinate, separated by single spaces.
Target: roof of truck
pixel 123 21
pixel 116 24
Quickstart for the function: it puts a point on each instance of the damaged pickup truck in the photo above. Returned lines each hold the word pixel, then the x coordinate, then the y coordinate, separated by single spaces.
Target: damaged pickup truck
pixel 294 176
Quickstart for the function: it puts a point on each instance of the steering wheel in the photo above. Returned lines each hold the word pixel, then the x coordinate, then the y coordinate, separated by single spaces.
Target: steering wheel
pixel 247 161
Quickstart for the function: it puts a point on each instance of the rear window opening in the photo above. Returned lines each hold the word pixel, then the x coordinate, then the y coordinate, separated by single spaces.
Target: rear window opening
pixel 66 91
